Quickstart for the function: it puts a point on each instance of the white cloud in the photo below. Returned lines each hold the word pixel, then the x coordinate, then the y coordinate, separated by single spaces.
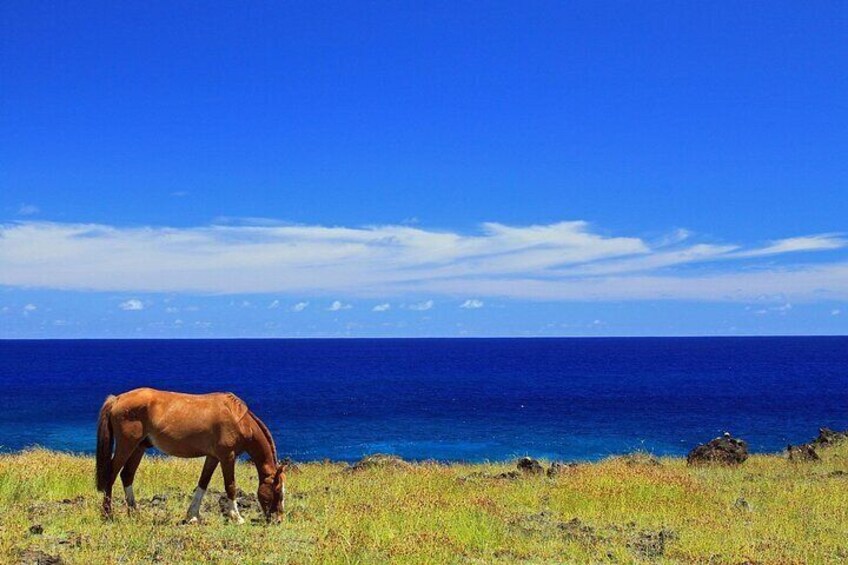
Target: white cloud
pixel 835 312
pixel 381 307
pixel 560 261
pixel 30 308
pixel 172 309
pixel 131 304
pixel 782 309
pixel 28 210
pixel 471 304
pixel 421 306
pixel 820 242
pixel 274 305
pixel 299 307
pixel 338 305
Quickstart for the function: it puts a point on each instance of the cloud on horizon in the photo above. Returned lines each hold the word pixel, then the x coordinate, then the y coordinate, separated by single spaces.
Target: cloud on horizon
pixel 565 261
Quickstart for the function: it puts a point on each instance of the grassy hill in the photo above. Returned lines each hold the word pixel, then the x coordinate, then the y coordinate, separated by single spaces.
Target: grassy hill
pixel 622 510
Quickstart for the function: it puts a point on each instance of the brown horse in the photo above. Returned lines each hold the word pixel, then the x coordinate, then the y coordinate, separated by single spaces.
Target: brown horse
pixel 217 426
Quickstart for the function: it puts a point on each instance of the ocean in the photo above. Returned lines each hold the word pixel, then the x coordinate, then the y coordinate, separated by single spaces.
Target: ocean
pixel 449 399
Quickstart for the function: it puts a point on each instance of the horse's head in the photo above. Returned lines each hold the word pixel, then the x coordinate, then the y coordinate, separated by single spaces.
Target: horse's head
pixel 272 494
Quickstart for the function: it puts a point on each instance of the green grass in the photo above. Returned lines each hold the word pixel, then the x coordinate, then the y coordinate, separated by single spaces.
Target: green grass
pixel 613 511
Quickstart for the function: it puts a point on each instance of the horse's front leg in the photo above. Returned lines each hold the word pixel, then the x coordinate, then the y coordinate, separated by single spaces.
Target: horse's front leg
pixel 228 468
pixel 193 514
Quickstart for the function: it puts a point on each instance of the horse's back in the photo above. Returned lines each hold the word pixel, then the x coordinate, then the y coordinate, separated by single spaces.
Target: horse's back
pixel 186 425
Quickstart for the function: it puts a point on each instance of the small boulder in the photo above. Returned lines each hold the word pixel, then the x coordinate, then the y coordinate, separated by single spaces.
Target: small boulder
pixel 379 460
pixel 36 529
pixel 725 450
pixel 801 453
pixel 558 468
pixel 828 437
pixel 530 466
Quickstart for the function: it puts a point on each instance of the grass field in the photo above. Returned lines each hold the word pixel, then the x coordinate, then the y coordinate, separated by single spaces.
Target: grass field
pixel 622 510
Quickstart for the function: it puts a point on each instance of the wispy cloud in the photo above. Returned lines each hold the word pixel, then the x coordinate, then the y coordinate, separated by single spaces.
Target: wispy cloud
pixel 560 261
pixel 421 306
pixel 28 210
pixel 338 305
pixel 274 305
pixel 381 307
pixel 28 308
pixel 131 304
pixel 472 304
pixel 300 306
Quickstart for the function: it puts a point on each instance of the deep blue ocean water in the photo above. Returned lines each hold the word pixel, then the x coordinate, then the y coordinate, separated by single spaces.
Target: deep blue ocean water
pixel 449 399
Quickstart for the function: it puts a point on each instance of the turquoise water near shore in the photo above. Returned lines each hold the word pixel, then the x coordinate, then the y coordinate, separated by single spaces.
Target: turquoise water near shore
pixel 449 399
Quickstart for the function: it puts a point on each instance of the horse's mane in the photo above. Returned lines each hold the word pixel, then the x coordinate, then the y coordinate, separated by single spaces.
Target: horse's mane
pixel 265 431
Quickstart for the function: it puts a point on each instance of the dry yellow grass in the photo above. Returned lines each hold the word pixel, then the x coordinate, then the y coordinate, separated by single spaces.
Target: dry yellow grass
pixel 766 511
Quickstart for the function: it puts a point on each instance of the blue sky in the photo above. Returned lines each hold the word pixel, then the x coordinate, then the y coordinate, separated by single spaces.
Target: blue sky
pixel 596 168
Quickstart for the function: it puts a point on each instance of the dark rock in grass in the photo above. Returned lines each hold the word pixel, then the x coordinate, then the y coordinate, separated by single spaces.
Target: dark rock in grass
pixel 381 461
pixel 37 557
pixel 641 458
pixel 828 437
pixel 558 468
pixel 725 450
pixel 742 504
pixel 650 544
pixel 530 466
pixel 36 529
pixel 801 453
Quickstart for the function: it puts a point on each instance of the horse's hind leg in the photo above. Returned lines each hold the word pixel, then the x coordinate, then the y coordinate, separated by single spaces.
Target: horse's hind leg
pixel 128 473
pixel 228 468
pixel 209 467
pixel 123 450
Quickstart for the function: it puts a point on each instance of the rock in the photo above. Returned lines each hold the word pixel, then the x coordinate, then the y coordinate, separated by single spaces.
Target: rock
pixel 36 529
pixel 828 437
pixel 800 453
pixel 379 460
pixel 158 500
pixel 37 557
pixel 742 504
pixel 558 468
pixel 530 466
pixel 725 450
pixel 641 458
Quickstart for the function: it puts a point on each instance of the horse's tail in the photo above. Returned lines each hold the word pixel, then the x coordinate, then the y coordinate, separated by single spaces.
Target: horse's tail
pixel 104 444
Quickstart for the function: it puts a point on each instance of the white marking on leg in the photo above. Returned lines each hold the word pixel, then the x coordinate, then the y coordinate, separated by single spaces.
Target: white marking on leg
pixel 193 514
pixel 234 513
pixel 128 492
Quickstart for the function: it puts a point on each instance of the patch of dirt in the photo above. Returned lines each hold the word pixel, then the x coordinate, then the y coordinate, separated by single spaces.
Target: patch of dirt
pixel 36 529
pixel 651 544
pixel 38 557
pixel 725 450
pixel 545 522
